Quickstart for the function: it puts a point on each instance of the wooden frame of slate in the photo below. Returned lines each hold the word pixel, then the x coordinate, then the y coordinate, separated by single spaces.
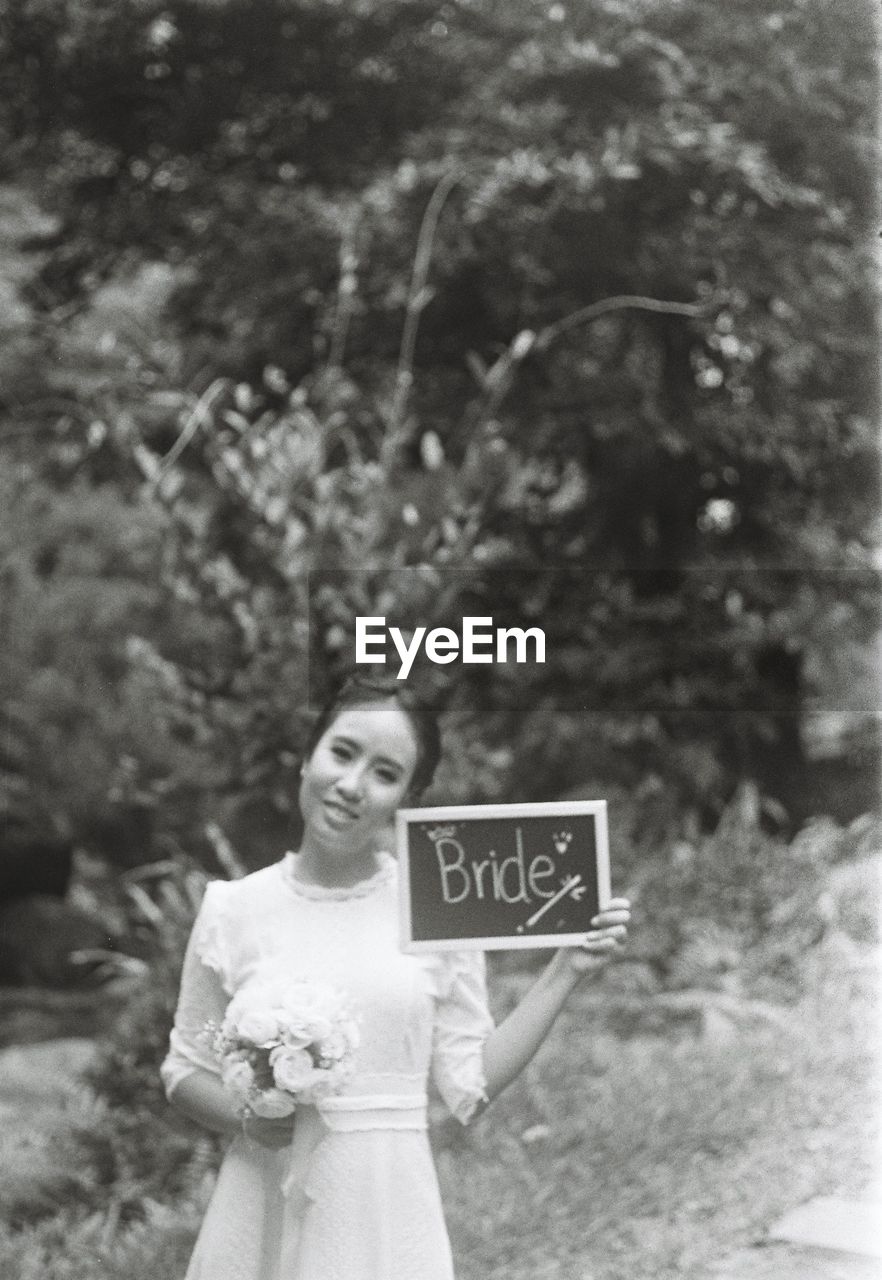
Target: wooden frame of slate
pixel 496 877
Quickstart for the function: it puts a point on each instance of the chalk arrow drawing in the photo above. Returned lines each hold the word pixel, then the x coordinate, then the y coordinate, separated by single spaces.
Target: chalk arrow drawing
pixel 570 886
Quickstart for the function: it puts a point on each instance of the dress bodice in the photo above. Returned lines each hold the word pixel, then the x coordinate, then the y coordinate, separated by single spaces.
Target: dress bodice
pixel 417 1013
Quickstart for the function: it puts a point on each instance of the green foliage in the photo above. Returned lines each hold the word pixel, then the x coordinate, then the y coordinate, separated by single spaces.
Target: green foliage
pixel 562 316
pixel 739 909
pixel 321 309
pixel 160 902
pixel 116 1168
pixel 110 730
pixel 98 1248
pixel 685 1148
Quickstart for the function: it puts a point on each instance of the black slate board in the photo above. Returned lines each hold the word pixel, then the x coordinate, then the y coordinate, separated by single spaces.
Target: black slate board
pixel 501 876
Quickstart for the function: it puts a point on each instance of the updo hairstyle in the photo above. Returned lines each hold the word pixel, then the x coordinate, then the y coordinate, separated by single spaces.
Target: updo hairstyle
pixel 361 690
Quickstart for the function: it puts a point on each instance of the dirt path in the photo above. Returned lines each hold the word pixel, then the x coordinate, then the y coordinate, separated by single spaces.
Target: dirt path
pixel 828 1238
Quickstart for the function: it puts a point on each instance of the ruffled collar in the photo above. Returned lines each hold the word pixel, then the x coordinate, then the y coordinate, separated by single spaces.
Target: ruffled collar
pixel 336 893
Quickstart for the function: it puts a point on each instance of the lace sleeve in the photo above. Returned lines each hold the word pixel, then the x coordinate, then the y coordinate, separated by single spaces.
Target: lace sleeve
pixel 203 996
pixel 462 1025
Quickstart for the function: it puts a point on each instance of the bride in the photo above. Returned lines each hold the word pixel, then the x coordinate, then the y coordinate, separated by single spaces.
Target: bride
pixel 365 1203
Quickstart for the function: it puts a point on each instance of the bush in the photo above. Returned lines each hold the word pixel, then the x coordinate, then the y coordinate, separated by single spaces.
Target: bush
pixel 738 909
pixel 117 1148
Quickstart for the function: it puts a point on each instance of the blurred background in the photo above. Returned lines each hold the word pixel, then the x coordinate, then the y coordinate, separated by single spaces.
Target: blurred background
pixel 562 313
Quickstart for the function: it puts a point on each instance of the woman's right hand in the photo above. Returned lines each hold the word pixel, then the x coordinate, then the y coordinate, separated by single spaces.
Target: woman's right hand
pixel 274 1133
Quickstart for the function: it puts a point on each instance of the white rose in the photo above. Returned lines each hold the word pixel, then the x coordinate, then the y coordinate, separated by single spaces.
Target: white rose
pixel 237 1077
pixel 258 1026
pixel 292 1068
pixel 296 1035
pixel 319 1026
pixel 338 1075
pixel 319 1087
pixel 301 998
pixel 310 999
pixel 334 1046
pixel 272 1104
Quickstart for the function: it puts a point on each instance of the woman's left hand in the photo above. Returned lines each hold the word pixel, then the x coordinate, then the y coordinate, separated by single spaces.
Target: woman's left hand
pixel 608 934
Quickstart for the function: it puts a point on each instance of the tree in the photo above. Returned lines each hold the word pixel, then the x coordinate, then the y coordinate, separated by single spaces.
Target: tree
pixel 311 401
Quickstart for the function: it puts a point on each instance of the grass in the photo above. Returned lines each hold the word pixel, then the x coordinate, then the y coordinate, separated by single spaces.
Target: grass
pixel 653 1156
pixel 155 1249
pixel 619 1153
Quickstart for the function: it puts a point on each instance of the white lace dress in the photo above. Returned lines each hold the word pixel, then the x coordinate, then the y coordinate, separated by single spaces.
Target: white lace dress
pixel 368 1207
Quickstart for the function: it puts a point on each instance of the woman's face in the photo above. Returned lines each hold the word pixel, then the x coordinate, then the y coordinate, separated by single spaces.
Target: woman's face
pixel 357 776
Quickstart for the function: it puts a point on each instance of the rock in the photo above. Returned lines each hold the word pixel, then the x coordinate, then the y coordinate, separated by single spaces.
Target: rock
pixel 790 1262
pixel 45 1070
pixel 829 1238
pixel 833 1222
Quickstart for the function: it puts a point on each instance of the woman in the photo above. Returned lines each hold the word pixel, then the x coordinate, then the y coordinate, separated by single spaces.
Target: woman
pixel 363 1202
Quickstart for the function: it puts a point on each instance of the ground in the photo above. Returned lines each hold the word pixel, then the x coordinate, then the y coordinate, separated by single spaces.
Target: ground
pixel 638 1143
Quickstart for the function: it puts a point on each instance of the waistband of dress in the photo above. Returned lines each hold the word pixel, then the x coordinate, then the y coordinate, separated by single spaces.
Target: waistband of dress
pixel 348 1114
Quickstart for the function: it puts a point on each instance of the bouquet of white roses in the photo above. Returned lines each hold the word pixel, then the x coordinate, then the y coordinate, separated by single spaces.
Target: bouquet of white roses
pixel 285 1043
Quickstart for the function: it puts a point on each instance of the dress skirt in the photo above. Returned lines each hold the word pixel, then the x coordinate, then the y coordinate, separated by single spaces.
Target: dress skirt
pixel 355 1196
pixel 368 1208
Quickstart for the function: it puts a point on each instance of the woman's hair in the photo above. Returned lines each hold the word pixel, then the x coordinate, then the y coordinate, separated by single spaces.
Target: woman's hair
pixel 360 690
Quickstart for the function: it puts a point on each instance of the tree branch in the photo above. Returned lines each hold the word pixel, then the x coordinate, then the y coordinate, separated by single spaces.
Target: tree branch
pixel 497 380
pixel 621 302
pixel 199 416
pixel 417 299
pixel 346 290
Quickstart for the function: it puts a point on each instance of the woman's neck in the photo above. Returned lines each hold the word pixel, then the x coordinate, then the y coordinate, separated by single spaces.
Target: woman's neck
pixel 319 866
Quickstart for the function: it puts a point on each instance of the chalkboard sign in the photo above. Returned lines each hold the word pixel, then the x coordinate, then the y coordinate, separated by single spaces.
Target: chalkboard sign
pixel 501 876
